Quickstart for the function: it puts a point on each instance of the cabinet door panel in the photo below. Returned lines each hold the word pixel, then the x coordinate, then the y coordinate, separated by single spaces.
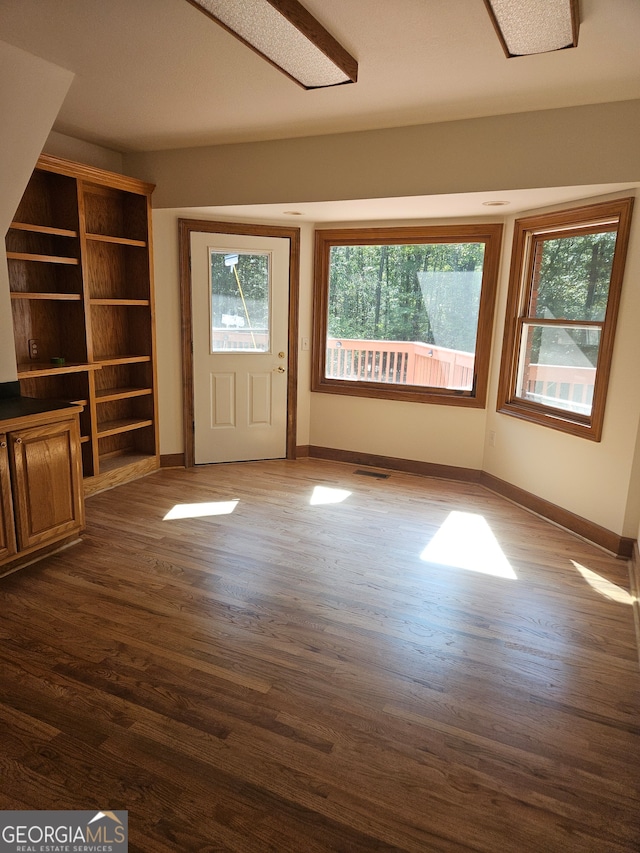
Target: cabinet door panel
pixel 7 529
pixel 47 482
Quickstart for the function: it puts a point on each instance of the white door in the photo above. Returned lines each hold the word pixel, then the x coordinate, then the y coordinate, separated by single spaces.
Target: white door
pixel 240 309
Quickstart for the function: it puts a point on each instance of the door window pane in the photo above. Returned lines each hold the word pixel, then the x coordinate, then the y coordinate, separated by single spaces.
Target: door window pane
pixel 240 301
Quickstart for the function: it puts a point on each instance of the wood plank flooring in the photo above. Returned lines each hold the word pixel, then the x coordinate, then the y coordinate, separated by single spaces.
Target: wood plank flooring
pixel 293 677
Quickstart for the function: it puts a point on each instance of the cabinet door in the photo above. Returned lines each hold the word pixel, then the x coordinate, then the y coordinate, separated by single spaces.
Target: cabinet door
pixel 7 529
pixel 47 485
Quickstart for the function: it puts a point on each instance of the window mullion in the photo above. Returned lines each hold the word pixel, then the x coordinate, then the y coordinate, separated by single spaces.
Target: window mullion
pixel 553 321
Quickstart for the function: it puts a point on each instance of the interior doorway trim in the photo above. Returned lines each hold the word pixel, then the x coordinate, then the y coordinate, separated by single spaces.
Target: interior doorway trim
pixel 185 229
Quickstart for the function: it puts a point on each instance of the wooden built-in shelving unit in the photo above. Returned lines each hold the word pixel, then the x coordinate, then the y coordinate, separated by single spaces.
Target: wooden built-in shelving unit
pixel 80 271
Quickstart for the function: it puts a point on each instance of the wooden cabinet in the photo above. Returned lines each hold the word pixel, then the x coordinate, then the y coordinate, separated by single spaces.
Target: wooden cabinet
pixel 80 270
pixel 7 530
pixel 41 488
pixel 47 485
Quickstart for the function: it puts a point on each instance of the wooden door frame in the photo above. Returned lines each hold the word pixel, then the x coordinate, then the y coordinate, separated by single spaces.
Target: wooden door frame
pixel 185 228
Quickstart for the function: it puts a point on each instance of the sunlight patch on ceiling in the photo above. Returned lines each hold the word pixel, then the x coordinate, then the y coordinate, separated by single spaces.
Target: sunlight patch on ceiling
pixel 603 586
pixel 200 510
pixel 323 495
pixel 465 541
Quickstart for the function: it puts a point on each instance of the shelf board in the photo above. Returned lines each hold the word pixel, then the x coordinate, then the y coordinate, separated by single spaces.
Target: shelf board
pixel 121 241
pixel 121 425
pixel 121 302
pixel 43 229
pixel 106 395
pixel 85 439
pixel 56 297
pixel 106 360
pixel 44 259
pixel 40 368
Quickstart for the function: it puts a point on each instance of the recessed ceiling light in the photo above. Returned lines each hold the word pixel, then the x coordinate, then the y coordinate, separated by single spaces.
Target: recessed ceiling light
pixel 495 203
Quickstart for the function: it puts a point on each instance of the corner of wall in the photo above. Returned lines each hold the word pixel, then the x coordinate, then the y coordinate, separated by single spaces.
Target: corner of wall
pixel 88 153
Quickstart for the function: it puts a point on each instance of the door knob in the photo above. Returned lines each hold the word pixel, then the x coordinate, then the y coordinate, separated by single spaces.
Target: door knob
pixel 281 369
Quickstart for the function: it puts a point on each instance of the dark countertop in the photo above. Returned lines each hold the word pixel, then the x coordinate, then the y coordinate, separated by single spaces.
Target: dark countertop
pixel 20 407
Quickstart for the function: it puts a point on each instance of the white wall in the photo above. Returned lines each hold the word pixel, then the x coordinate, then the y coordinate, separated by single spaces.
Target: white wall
pixel 168 319
pixel 444 435
pixel 596 144
pixel 31 94
pixel 591 479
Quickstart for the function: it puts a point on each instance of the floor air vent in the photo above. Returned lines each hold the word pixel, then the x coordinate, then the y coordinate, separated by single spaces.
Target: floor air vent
pixel 376 474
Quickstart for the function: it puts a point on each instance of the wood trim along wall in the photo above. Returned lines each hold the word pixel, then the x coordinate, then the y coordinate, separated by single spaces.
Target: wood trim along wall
pixel 93 174
pixel 408 466
pixel 621 546
pixel 172 460
pixel 634 589
pixel 185 228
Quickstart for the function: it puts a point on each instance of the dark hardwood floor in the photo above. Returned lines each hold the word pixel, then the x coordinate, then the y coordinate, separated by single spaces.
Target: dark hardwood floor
pixel 293 677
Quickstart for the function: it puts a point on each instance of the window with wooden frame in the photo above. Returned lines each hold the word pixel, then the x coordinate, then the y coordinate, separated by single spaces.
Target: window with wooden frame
pixel 406 313
pixel 564 292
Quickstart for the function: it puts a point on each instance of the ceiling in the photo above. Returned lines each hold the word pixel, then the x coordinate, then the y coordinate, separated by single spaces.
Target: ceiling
pixel 157 74
pixel 412 208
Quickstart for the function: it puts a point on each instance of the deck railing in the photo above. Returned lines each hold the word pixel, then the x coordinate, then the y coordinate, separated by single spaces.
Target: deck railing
pixel 560 386
pixel 240 339
pixel 399 362
pixel 428 365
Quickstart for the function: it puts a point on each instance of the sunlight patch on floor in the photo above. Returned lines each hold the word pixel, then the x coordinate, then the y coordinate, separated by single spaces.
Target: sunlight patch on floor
pixel 603 586
pixel 465 541
pixel 200 510
pixel 325 495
